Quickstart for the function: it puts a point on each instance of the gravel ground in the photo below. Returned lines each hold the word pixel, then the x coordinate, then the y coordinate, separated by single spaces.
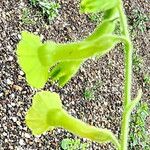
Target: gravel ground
pixel 103 110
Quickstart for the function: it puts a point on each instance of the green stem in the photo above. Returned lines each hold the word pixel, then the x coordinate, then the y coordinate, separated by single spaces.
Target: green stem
pixel 128 56
pixel 128 79
pixel 135 101
pixel 85 130
pixel 126 121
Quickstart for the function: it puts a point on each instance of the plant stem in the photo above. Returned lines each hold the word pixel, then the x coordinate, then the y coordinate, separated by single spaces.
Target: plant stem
pixel 128 79
pixel 128 57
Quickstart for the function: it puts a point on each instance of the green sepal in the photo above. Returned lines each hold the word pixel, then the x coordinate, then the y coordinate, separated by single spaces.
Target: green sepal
pixel 28 59
pixel 64 71
pixel 37 117
pixel 111 14
pixel 94 6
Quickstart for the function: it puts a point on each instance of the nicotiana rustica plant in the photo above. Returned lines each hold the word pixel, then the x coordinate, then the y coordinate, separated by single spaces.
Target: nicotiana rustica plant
pixel 60 62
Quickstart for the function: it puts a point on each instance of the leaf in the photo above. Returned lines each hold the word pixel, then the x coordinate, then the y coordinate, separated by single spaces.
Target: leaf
pixel 94 6
pixel 28 59
pixel 37 116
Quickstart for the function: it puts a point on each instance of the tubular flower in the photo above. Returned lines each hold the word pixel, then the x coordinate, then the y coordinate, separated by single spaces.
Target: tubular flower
pixel 28 59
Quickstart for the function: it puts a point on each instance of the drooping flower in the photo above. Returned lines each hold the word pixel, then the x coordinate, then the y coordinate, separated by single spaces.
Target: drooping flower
pixel 38 116
pixel 94 6
pixel 46 113
pixel 28 59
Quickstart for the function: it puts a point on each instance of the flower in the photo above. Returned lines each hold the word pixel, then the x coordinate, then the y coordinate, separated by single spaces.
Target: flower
pixel 28 59
pixel 94 6
pixel 39 117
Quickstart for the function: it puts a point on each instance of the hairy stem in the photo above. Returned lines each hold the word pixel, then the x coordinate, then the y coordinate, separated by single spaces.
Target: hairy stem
pixel 128 79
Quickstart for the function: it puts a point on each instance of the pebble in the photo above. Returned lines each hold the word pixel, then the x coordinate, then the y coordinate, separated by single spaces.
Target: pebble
pixel 13 104
pixel 1 94
pixel 17 87
pixel 10 58
pixel 19 36
pixel 5 128
pixel 9 82
pixel 14 119
pixel 18 123
pixel 9 105
pixel 9 47
pixel 21 73
pixel 27 135
pixel 4 134
pixel 21 142
pixel 12 96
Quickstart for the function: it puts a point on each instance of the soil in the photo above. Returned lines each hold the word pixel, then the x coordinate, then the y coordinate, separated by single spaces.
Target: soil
pixel 103 110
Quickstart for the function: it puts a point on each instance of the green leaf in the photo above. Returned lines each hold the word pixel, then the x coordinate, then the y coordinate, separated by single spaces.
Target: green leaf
pixel 28 59
pixel 94 6
pixel 38 115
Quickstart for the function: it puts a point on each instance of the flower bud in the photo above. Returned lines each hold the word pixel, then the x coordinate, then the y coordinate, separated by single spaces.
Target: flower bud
pixel 94 6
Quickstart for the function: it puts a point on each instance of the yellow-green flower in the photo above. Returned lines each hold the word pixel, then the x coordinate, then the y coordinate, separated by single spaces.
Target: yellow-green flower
pixel 38 116
pixel 47 113
pixel 94 6
pixel 28 59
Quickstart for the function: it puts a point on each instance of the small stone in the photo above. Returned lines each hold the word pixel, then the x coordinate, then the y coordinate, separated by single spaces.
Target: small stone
pixel 12 95
pixel 13 104
pixel 17 87
pixel 9 105
pixel 5 128
pixel 105 103
pixel 9 47
pixel 11 147
pixel 19 36
pixel 14 119
pixel 20 77
pixel 9 82
pixel 18 123
pixel 36 139
pixel 21 142
pixel 21 73
pixel 6 92
pixel 4 134
pixel 1 94
pixel 27 135
pixel 41 37
pixel 10 58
